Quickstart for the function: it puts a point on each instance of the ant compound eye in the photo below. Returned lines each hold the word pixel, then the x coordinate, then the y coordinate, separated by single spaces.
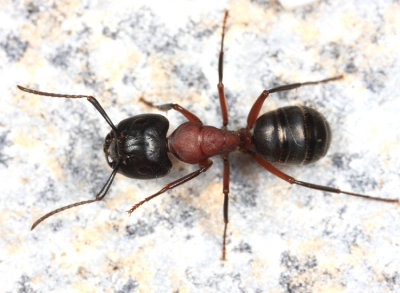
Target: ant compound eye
pixel 138 147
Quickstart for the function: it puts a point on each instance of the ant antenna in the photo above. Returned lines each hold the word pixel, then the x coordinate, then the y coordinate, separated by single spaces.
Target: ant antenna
pixel 91 99
pixel 99 197
pixel 110 179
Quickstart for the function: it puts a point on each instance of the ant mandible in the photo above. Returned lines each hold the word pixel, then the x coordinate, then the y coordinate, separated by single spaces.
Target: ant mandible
pixel 138 146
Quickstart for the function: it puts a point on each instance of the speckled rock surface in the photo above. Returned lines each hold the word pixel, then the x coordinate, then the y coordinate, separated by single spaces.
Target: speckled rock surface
pixel 281 238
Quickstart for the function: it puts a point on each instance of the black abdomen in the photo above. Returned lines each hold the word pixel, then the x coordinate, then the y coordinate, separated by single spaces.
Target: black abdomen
pixel 294 134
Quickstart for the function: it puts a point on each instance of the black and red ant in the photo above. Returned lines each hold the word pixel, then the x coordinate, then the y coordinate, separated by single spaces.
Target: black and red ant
pixel 138 146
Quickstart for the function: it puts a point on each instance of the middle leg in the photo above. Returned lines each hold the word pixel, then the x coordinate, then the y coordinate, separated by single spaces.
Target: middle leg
pixel 221 92
pixel 224 113
pixel 226 202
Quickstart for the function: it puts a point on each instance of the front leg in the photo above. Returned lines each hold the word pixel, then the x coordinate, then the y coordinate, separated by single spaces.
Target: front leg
pixel 203 167
pixel 166 107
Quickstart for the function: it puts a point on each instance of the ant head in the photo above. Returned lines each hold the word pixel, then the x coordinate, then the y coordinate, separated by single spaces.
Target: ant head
pixel 139 147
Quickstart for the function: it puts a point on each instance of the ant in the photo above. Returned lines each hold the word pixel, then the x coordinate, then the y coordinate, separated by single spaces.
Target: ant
pixel 138 146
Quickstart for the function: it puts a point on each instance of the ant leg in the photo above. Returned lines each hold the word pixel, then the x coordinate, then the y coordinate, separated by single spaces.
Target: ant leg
pixel 224 112
pixel 91 99
pixel 221 93
pixel 255 109
pixel 292 180
pixel 203 167
pixel 226 202
pixel 99 196
pixel 166 107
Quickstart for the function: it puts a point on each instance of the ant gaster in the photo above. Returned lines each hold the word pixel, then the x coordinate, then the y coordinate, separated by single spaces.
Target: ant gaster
pixel 138 146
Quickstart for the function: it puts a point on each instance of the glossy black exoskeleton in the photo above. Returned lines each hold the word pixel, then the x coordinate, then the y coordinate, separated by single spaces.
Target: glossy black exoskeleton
pixel 138 146
pixel 292 135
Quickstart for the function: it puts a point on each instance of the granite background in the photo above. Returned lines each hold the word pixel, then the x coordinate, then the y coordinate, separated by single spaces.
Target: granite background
pixel 281 238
